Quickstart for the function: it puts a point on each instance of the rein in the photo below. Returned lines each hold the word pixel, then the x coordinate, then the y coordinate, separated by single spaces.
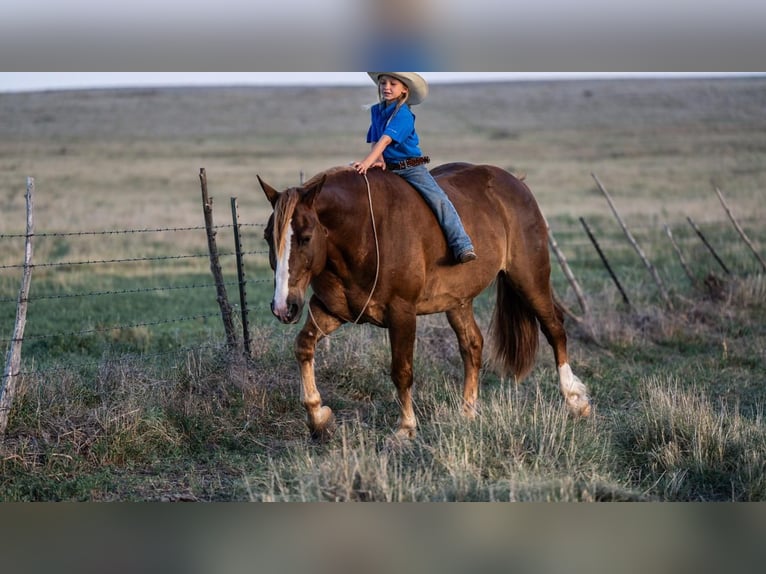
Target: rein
pixel 377 264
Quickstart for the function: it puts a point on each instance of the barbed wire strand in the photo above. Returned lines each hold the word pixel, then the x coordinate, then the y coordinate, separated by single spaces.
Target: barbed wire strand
pixel 126 260
pixel 114 328
pixel 122 231
pixel 123 358
pixel 130 291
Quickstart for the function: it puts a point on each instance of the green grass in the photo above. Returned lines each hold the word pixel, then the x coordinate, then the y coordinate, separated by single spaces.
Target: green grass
pixel 125 315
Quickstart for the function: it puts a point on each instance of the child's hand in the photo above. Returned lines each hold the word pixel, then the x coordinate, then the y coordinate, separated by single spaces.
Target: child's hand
pixel 362 166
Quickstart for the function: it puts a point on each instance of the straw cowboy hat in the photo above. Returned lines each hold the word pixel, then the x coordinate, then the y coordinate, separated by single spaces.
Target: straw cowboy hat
pixel 417 86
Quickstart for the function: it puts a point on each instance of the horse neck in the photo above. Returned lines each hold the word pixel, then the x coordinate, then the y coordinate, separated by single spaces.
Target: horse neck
pixel 344 211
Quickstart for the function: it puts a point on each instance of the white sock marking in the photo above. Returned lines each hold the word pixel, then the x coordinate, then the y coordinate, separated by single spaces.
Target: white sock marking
pixel 569 383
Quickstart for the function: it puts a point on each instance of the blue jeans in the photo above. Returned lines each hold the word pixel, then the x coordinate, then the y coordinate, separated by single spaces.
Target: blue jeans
pixel 421 179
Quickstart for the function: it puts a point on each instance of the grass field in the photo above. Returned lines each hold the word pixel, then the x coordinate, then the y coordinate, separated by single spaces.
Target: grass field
pixel 161 412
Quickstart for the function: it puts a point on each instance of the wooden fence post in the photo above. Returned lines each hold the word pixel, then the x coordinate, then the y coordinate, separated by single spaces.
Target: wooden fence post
pixel 567 270
pixel 634 243
pixel 13 361
pixel 709 247
pixel 215 264
pixel 742 234
pixel 680 255
pixel 241 276
pixel 604 261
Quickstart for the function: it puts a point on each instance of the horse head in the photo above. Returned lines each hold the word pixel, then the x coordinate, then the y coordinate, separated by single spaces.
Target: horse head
pixel 297 246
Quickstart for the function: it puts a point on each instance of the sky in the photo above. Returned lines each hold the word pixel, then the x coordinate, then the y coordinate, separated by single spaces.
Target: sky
pixel 34 81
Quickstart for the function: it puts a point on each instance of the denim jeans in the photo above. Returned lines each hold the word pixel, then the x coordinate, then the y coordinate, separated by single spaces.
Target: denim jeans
pixel 421 179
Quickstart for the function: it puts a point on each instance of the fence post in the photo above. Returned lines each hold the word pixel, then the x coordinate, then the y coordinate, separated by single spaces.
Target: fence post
pixel 634 243
pixel 13 361
pixel 709 247
pixel 241 276
pixel 567 270
pixel 680 255
pixel 605 262
pixel 215 264
pixel 739 229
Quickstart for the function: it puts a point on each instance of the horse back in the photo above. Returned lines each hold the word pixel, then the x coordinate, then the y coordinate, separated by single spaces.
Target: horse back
pixel 494 204
pixel 470 183
pixel 497 210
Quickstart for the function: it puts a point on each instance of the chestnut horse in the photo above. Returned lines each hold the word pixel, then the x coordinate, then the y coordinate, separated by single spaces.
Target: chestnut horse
pixel 373 252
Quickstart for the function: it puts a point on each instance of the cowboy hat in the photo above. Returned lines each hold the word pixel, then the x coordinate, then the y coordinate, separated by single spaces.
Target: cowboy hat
pixel 415 83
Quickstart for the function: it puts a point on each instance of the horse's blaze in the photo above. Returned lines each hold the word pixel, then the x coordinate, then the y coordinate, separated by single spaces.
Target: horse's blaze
pixel 282 277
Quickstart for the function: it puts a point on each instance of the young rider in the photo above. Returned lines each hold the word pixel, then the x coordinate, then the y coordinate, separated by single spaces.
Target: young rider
pixel 395 147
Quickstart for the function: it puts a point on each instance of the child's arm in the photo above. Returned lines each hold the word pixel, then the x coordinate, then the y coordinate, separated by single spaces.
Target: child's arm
pixel 375 157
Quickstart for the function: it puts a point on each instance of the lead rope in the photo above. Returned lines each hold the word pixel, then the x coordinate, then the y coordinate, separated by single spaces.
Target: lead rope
pixel 377 264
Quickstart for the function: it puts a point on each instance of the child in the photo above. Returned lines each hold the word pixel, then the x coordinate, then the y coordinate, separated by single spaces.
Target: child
pixel 395 146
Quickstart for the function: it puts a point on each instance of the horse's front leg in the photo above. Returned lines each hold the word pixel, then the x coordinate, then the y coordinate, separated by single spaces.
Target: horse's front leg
pixel 320 420
pixel 401 332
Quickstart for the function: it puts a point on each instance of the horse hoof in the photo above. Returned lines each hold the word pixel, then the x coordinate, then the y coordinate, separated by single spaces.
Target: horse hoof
pixel 579 405
pixel 399 441
pixel 470 411
pixel 323 428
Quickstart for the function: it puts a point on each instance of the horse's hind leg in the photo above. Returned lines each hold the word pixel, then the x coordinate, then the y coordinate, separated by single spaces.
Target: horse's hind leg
pixel 471 344
pixel 552 325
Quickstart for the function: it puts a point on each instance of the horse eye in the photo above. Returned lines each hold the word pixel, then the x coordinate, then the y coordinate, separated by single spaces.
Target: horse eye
pixel 304 239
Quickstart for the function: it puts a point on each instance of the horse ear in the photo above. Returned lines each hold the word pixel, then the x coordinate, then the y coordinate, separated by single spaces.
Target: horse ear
pixel 271 194
pixel 310 194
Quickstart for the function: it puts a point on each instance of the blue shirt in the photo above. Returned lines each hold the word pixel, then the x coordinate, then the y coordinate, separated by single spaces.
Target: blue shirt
pixel 400 128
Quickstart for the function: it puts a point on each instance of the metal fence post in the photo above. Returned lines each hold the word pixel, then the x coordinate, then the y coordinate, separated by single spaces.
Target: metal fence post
pixel 241 276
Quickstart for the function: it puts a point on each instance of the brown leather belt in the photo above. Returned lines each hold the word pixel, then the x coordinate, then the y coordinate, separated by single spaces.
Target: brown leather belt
pixel 409 162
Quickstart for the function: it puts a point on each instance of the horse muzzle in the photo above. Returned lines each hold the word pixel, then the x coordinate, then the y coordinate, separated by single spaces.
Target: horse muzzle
pixel 289 313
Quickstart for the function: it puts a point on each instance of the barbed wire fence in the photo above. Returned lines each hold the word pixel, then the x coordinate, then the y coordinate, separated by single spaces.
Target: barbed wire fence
pixel 670 242
pixel 125 321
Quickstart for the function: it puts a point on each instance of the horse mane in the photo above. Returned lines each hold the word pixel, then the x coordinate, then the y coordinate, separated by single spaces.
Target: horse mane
pixel 285 206
pixel 329 173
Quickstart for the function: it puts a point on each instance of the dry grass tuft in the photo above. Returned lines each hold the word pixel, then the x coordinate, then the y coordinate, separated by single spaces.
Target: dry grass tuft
pixel 680 444
pixel 750 291
pixel 522 447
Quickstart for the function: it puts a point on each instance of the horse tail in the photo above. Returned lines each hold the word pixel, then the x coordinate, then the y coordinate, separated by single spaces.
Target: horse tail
pixel 513 331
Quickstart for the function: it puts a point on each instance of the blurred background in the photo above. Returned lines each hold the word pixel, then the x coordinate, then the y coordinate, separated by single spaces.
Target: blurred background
pixel 336 34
